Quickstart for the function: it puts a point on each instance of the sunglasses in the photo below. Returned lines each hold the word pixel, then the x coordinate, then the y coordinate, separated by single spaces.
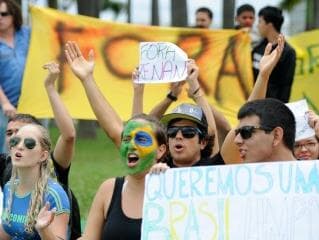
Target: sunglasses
pixel 187 131
pixel 4 14
pixel 247 131
pixel 29 143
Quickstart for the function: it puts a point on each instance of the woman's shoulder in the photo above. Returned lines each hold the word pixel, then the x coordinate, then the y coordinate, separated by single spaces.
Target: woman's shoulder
pixel 56 196
pixel 107 185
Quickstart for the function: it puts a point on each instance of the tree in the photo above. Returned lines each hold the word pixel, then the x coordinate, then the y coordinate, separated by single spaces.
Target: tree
pixel 53 3
pixel 129 13
pixel 155 15
pixel 228 13
pixel 87 128
pixel 312 14
pixel 179 13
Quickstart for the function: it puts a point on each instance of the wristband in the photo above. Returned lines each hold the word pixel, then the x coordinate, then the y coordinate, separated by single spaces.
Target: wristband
pixel 171 96
pixel 196 91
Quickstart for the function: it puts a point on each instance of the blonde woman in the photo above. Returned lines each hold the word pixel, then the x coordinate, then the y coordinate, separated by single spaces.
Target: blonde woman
pixel 35 205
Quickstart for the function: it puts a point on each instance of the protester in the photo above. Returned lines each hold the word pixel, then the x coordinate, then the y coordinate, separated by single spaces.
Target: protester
pixel 266 131
pixel 14 44
pixel 204 18
pixel 191 129
pixel 63 152
pixel 308 148
pixel 118 203
pixel 31 188
pixel 245 18
pixel 222 125
pixel 280 81
pixel 229 149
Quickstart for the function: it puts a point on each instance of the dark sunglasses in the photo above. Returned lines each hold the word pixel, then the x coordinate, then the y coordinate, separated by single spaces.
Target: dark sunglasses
pixel 29 143
pixel 247 131
pixel 4 14
pixel 187 131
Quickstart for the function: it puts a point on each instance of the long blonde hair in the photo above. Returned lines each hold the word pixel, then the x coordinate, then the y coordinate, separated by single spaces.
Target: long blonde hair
pixel 37 195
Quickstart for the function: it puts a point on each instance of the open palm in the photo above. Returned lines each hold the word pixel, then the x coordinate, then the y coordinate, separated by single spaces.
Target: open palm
pixel 81 67
pixel 271 58
pixel 45 217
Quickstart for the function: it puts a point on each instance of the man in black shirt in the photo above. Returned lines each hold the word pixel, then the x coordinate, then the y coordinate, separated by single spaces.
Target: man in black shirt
pixel 281 79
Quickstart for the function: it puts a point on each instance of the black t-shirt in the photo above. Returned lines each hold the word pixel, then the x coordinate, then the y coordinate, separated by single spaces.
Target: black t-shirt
pixel 281 78
pixel 208 161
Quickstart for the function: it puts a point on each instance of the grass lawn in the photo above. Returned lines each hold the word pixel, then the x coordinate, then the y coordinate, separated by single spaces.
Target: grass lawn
pixel 94 161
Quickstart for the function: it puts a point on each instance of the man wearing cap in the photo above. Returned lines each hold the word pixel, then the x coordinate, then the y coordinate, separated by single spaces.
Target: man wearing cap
pixel 191 129
pixel 188 139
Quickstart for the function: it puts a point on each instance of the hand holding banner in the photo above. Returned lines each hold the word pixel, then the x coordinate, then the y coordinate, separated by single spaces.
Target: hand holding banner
pixel 299 109
pixel 161 62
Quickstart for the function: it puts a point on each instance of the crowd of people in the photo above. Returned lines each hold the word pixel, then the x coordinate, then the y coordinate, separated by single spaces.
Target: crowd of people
pixel 37 200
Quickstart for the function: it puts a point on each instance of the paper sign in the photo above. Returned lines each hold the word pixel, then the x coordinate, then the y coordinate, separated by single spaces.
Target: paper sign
pixel 265 201
pixel 299 109
pixel 161 62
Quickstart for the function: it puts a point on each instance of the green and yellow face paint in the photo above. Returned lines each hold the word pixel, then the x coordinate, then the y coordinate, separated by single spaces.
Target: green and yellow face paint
pixel 138 146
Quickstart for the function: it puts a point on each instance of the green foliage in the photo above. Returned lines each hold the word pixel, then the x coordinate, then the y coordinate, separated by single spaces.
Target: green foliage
pixel 116 7
pixel 289 4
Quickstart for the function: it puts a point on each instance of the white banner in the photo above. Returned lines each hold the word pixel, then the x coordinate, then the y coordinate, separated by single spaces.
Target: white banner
pixel 299 109
pixel 266 201
pixel 161 62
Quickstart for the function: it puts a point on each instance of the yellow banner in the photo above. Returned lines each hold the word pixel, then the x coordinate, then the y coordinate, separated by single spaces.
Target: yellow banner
pixel 306 82
pixel 222 55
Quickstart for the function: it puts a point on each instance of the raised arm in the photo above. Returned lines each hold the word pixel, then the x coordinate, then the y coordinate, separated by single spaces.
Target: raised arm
pixel 159 110
pixel 266 66
pixel 64 148
pixel 138 94
pixel 199 97
pixel 229 150
pixel 105 114
pixel 222 125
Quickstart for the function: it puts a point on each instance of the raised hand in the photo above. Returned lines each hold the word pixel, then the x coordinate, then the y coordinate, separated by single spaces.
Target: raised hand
pixel 176 88
pixel 45 217
pixel 313 120
pixel 138 87
pixel 192 77
pixel 271 58
pixel 54 71
pixel 81 67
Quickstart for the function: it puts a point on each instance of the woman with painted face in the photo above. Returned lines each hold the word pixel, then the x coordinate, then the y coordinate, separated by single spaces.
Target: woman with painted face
pixel 116 212
pixel 35 205
pixel 308 148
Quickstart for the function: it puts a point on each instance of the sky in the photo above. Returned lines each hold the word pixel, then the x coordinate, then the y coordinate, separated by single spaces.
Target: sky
pixel 141 11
